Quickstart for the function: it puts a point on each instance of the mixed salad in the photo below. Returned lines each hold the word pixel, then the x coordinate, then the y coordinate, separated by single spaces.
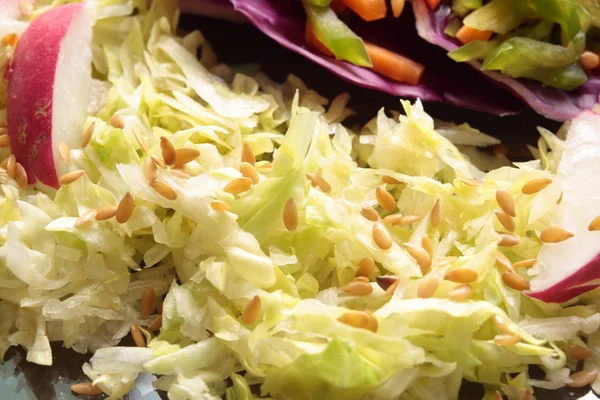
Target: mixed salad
pixel 544 52
pixel 255 246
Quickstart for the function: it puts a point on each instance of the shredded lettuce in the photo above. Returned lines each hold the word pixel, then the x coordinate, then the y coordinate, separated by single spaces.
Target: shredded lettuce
pixel 82 284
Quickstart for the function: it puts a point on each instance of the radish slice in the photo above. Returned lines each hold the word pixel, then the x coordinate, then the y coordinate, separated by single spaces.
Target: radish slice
pixel 572 267
pixel 49 84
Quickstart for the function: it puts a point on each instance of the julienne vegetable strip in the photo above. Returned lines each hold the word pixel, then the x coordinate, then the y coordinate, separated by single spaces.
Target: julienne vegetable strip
pixel 283 21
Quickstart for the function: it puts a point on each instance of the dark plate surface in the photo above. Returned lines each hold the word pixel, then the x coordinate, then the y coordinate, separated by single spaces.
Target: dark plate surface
pixel 240 44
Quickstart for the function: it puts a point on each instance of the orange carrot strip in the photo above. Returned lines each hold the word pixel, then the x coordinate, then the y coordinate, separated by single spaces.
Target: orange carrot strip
pixel 467 34
pixel 433 4
pixel 397 7
pixel 393 65
pixel 313 42
pixel 369 10
pixel 337 6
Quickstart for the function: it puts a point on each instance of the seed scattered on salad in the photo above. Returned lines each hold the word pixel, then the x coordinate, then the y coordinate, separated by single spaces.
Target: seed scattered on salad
pixel 4 139
pixel 185 155
pixel 470 182
pixel 385 282
pixel 147 302
pixel 64 152
pixel 390 180
pixel 461 275
pixel 507 240
pixel 408 219
pixel 385 199
pixel 156 324
pixel 357 288
pixel 249 171
pixel 318 181
pixel 514 281
pixel 142 142
pixel 460 293
pixel 427 245
pixel 506 202
pixel 150 169
pixel 506 340
pixel 70 177
pixel 164 190
pixel 525 263
pixel 238 185
pixel 248 154
pixel 420 255
pixel 86 389
pixel 86 217
pixel 503 262
pixel 117 121
pixel 11 166
pixel 87 135
pixel 428 286
pixel 582 378
pixel 20 176
pixel 136 334
pixel 576 352
pixel 536 185
pixel 369 213
pixel 555 234
pixel 105 213
pixel 361 279
pixel 359 319
pixel 167 151
pixel 381 236
pixel 125 208
pixel 392 219
pixel 501 324
pixel 252 311
pixel 497 396
pixel 595 224
pixel 589 60
pixel 159 162
pixel 366 267
pixel 290 215
pixel 436 214
pixel 505 220
pixel 219 205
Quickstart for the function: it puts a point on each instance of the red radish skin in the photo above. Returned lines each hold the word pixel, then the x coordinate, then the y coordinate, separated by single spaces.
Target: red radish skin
pixel 47 93
pixel 571 268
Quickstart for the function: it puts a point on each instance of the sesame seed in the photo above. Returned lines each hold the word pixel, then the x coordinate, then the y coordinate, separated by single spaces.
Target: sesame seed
pixel 167 151
pixel 506 202
pixel 252 311
pixel 147 301
pixel 70 177
pixel 125 208
pixel 385 199
pixel 137 336
pixel 290 215
pixel 381 236
pixel 536 185
pixel 366 266
pixel 555 234
pixel 582 378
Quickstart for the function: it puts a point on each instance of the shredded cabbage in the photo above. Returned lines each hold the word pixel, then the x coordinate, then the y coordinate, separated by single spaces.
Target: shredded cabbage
pixel 82 284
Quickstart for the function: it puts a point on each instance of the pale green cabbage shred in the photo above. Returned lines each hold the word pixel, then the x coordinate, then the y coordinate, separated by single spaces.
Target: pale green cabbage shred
pixel 82 284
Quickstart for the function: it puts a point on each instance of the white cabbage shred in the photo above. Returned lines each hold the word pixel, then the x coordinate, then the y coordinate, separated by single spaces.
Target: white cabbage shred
pixel 81 285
